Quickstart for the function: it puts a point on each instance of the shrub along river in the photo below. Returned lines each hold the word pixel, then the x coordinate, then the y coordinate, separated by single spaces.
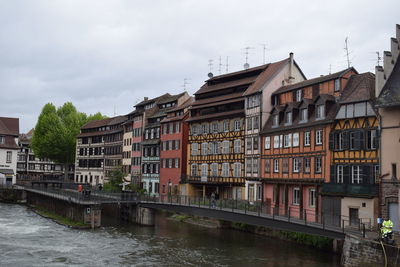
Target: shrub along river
pixel 27 239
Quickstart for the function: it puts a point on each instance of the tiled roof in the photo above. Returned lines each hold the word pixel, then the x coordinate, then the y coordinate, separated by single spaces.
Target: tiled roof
pixel 184 105
pixel 310 82
pixel 390 94
pixel 170 98
pixel 225 114
pixel 206 88
pixel 216 99
pixel 360 87
pixel 104 122
pixel 144 102
pixel 9 126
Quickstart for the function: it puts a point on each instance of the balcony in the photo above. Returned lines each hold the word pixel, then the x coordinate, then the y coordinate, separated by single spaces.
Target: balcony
pixel 214 180
pixel 370 190
pixel 151 159
pixel 150 175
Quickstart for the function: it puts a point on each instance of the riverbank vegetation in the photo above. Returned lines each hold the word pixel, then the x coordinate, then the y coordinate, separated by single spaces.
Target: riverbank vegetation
pixel 58 218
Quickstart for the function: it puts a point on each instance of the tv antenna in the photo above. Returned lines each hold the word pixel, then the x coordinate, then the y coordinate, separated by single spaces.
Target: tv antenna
pixel 185 82
pixel 246 65
pixel 264 51
pixel 210 65
pixel 346 49
pixel 227 64
pixel 379 58
pixel 219 65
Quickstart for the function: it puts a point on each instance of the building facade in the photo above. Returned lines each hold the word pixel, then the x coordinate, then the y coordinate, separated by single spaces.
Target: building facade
pixel 9 131
pixel 296 158
pixel 388 104
pixel 351 196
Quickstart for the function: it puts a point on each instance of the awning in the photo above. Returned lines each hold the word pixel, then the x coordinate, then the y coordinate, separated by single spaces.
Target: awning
pixel 7 171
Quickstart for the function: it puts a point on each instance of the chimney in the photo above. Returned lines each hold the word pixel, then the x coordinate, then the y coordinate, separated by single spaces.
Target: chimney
pixel 146 98
pixel 291 77
pixel 379 80
pixel 394 48
pixel 387 64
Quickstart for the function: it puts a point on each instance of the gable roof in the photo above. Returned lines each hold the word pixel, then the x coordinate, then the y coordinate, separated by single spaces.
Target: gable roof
pixel 146 101
pixel 310 82
pixel 359 88
pixel 9 126
pixel 390 94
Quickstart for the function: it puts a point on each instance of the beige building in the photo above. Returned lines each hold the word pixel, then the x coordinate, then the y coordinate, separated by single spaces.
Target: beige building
pixel 388 104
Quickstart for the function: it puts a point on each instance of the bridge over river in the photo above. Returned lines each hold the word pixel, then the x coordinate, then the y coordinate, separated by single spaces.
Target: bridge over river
pixel 252 213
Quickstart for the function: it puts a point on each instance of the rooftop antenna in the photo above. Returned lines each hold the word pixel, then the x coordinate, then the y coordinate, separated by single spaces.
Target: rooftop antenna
pixel 330 68
pixel 210 64
pixel 219 65
pixel 346 48
pixel 378 59
pixel 185 82
pixel 246 65
pixel 227 64
pixel 264 51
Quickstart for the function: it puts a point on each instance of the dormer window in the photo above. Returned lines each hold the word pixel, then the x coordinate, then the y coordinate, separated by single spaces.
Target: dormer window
pixel 299 95
pixel 303 115
pixel 320 113
pixel 275 120
pixel 2 140
pixel 337 85
pixel 288 118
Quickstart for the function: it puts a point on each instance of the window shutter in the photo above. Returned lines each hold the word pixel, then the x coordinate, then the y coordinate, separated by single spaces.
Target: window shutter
pixel 361 141
pixel 331 141
pixel 377 138
pixel 333 174
pixel 346 140
pixel 300 164
pixel 367 174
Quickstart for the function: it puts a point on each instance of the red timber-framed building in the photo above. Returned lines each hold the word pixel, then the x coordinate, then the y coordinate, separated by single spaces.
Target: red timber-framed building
pixel 295 153
pixel 173 154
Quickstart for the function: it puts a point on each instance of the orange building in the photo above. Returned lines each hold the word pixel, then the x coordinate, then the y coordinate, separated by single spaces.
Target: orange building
pixel 295 156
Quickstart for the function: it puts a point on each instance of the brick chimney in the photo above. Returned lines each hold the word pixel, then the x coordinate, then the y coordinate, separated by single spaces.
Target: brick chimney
pixel 387 64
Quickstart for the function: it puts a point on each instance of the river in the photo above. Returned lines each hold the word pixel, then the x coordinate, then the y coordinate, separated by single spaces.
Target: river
pixel 27 239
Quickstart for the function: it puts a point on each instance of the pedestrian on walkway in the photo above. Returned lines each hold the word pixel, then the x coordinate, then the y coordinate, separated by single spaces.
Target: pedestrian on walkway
pixel 213 200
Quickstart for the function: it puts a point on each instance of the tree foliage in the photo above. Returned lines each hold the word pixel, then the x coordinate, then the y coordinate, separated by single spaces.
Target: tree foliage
pixel 55 132
pixel 115 180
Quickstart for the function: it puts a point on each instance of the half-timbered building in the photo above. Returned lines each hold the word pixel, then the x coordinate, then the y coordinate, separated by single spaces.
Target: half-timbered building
pixel 295 153
pixel 351 195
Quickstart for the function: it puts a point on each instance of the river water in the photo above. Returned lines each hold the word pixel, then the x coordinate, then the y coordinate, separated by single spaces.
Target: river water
pixel 27 239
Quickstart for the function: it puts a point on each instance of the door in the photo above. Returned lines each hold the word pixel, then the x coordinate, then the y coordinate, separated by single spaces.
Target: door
pixel 331 210
pixel 353 213
pixel 251 193
pixel 394 215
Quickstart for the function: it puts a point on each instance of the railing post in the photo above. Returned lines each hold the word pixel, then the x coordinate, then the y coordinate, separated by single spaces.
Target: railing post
pixel 363 230
pixel 323 220
pixel 343 225
pixel 305 216
pixel 288 214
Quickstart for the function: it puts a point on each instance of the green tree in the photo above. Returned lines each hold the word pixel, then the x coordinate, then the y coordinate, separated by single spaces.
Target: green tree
pixel 115 180
pixel 55 133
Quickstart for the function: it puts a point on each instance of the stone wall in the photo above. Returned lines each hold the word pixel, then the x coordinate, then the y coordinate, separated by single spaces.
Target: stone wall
pixel 366 253
pixel 389 194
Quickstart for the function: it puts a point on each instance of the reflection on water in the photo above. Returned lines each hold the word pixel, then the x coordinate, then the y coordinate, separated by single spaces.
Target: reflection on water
pixel 27 239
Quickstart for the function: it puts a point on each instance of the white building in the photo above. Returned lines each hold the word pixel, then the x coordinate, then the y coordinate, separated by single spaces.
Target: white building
pixel 9 131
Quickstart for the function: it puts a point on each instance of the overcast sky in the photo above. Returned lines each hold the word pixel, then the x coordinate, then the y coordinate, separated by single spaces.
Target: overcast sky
pixel 107 55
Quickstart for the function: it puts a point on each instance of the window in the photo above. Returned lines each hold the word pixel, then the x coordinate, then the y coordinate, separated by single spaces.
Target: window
pixel 195 149
pixel 237 146
pixel 226 126
pixel 307 165
pixel 9 156
pixel 194 169
pixel 371 139
pixel 256 123
pixel 339 174
pixel 177 127
pixel 204 148
pixel 255 166
pixel 296 196
pixel 307 138
pixel 205 128
pixel 303 115
pixel 357 140
pixel 276 141
pixel 318 164
pixel 249 143
pixel 287 140
pixel 237 169
pixel 275 120
pixel 255 143
pixel 298 95
pixel 312 197
pixel 249 166
pixel 339 141
pixel 195 130
pixel 215 127
pixel 356 174
pixel 268 142
pixel 376 173
pixel 296 164
pixel 318 137
pixel 320 112
pixel 249 123
pixel 285 165
pixel 214 169
pixel 177 163
pixel 225 169
pixel 296 139
pixel 337 85
pixel 288 118
pixel 267 167
pixel 394 171
pixel 214 148
pixel 204 169
pixel 225 147
pixel 276 165
pixel 2 140
pixel 237 125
